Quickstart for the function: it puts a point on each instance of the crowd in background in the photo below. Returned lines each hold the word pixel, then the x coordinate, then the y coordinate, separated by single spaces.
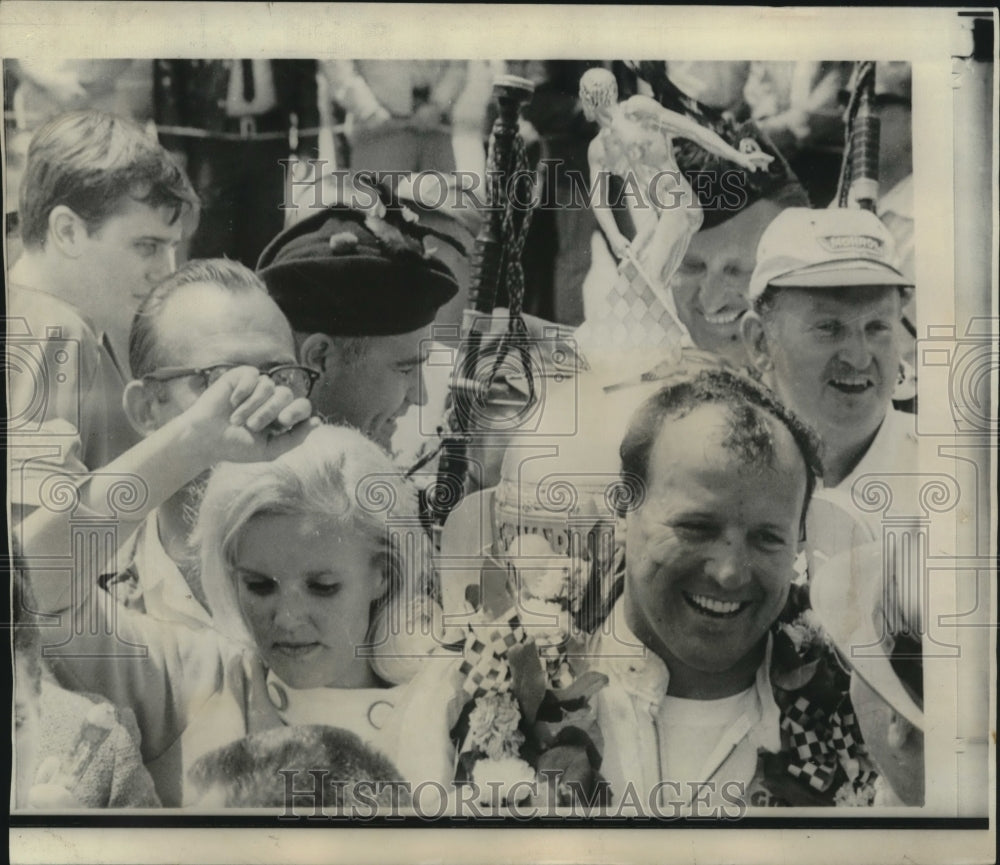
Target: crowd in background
pixel 229 122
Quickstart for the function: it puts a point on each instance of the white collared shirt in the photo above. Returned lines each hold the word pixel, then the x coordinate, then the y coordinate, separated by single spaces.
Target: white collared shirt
pixel 697 736
pixel 406 723
pixel 75 423
pixel 634 716
pixel 895 452
pixel 363 711
pixel 264 98
pixel 165 592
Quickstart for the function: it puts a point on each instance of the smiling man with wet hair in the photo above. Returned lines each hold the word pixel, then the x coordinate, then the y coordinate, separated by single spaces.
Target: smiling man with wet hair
pixel 720 475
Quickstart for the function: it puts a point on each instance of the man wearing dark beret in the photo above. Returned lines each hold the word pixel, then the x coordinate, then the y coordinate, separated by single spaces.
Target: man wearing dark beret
pixel 361 293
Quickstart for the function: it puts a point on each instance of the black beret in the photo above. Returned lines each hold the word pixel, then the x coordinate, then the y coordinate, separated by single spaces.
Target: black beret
pixel 348 272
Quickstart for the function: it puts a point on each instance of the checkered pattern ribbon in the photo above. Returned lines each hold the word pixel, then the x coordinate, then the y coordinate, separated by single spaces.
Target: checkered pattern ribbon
pixel 636 315
pixel 821 742
pixel 484 663
pixel 485 666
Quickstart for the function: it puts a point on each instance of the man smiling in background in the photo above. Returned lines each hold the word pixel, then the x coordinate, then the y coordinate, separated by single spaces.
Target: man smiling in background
pixel 825 333
pixel 710 286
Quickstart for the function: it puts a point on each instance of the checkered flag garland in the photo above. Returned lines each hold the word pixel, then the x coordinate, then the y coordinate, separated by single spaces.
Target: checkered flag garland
pixel 846 739
pixel 484 663
pixel 821 743
pixel 636 316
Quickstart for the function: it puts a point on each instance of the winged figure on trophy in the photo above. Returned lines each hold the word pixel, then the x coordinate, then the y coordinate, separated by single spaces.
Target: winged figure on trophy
pixel 635 143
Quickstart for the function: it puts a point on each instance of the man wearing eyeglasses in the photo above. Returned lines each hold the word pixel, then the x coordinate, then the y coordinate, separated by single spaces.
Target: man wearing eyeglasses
pixel 210 317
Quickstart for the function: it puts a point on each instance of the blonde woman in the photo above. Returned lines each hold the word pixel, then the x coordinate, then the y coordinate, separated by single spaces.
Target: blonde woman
pixel 303 582
pixel 303 563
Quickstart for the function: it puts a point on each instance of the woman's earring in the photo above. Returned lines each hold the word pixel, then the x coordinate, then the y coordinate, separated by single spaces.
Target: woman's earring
pixel 902 374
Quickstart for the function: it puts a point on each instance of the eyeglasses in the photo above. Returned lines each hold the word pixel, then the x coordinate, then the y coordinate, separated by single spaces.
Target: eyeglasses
pixel 298 379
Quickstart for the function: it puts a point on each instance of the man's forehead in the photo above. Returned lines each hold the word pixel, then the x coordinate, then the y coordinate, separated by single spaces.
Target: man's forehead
pixel 404 346
pixel 139 219
pixel 696 436
pixel 204 311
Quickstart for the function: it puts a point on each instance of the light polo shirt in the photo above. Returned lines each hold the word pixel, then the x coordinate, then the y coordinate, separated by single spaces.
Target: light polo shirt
pixel 893 455
pixel 65 389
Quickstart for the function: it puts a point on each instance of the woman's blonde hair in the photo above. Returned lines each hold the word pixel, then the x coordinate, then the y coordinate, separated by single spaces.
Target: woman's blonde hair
pixel 336 475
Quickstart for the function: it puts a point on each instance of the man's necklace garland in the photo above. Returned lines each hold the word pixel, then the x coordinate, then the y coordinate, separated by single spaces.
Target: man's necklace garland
pixel 822 745
pixel 528 727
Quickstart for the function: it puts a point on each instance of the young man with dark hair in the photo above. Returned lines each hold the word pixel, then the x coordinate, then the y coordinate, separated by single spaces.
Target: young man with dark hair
pixel 101 211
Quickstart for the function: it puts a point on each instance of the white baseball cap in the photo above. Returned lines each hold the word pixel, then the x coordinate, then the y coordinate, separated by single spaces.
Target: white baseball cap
pixel 831 248
pixel 861 605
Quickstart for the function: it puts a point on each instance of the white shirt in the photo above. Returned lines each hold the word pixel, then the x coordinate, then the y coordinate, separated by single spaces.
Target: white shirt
pixel 406 723
pixel 264 98
pixel 65 387
pixel 164 591
pixel 633 708
pixel 894 451
pixel 691 731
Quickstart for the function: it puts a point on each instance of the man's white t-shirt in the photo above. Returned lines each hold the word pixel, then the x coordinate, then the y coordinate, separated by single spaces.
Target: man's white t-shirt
pixel 692 731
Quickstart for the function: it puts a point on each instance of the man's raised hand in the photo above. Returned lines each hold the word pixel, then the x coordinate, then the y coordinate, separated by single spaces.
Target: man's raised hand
pixel 245 417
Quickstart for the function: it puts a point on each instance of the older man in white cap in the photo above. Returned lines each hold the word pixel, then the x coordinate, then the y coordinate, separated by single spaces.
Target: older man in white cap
pixel 825 332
